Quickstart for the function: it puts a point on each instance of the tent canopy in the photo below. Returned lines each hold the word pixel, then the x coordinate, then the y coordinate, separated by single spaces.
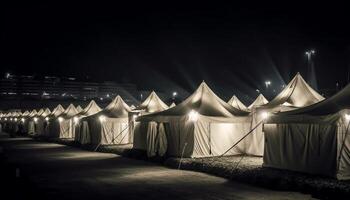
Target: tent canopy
pixel 236 103
pixel 205 102
pixel 33 113
pixel 152 104
pixel 69 112
pixel 259 101
pixel 296 94
pixel 334 104
pixel 90 109
pixel 57 111
pixel 79 108
pixel 116 109
pixel 172 105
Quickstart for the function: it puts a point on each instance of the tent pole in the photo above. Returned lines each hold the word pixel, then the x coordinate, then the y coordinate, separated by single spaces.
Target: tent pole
pixel 342 146
pixel 182 154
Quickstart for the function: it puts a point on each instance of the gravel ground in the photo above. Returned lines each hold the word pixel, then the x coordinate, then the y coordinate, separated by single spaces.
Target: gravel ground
pixel 249 170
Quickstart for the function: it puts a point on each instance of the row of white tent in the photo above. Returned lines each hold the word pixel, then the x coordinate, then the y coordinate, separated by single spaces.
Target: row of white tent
pixel 204 125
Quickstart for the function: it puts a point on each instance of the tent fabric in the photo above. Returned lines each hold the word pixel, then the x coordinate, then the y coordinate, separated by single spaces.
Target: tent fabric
pixel 205 135
pixel 79 108
pixel 150 105
pixel 172 105
pixel 51 118
pixel 332 116
pixel 301 147
pixel 236 103
pixel 90 109
pixel 296 94
pixel 259 101
pixel 109 126
pixel 62 126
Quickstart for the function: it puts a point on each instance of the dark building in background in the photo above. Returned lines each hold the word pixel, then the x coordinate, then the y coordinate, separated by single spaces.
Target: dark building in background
pixel 29 92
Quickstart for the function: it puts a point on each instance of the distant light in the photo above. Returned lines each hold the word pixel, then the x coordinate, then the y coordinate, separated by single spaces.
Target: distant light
pixel 101 98
pixel 11 119
pixel 347 116
pixel 7 75
pixel 16 119
pixel 102 118
pixel 47 118
pixel 23 120
pixel 35 119
pixel 107 95
pixel 60 119
pixel 193 115
pixel 76 120
pixel 265 115
pixel 257 90
pixel 5 119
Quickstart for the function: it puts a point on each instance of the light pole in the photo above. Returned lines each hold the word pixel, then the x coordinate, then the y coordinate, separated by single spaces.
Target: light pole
pixel 174 95
pixel 267 84
pixel 311 77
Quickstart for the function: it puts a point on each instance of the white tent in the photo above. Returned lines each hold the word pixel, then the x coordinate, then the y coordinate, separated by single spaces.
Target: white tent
pixel 60 124
pixel 79 108
pixel 172 105
pixel 27 126
pixel 32 120
pixel 90 109
pixel 295 95
pixel 236 103
pixel 109 126
pixel 259 101
pixel 314 139
pixel 201 125
pixel 151 104
pixel 39 121
pixel 51 118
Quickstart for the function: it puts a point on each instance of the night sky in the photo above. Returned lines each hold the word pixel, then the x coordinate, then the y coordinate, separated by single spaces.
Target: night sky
pixel 167 47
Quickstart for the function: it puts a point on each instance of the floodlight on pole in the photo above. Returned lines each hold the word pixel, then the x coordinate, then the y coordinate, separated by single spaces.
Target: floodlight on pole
pixel 267 83
pixel 174 95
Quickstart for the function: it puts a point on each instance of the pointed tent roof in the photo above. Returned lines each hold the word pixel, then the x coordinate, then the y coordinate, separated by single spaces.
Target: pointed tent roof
pixel 33 113
pixel 79 108
pixel 172 105
pixel 332 105
pixel 26 113
pixel 132 107
pixel 90 109
pixel 41 111
pixel 57 111
pixel 116 109
pixel 296 94
pixel 236 103
pixel 152 104
pixel 259 101
pixel 46 112
pixel 205 102
pixel 70 111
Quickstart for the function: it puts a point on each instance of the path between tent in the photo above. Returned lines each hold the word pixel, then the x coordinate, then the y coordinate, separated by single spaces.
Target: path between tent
pixel 46 170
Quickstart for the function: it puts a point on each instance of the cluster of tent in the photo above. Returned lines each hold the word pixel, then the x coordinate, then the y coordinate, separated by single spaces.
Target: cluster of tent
pixel 297 130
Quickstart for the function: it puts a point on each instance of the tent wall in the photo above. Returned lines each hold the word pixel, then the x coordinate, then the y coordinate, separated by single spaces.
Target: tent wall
pixel 66 128
pixel 192 139
pixel 343 151
pixel 307 148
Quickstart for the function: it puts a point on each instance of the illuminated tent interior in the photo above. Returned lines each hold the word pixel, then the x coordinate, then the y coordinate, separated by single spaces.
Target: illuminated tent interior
pixel 138 130
pixel 109 126
pixel 62 126
pixel 259 101
pixel 236 103
pixel 201 125
pixel 314 139
pixel 90 109
pixel 295 95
